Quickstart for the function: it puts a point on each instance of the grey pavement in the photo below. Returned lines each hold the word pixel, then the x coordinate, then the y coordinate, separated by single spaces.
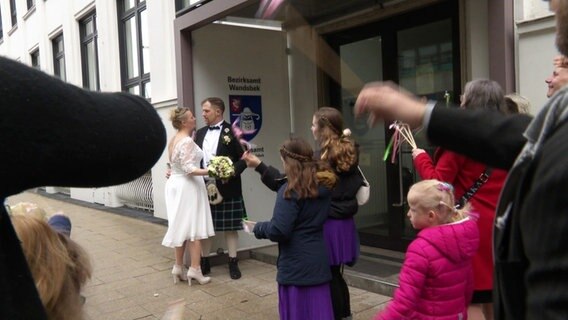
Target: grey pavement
pixel 132 279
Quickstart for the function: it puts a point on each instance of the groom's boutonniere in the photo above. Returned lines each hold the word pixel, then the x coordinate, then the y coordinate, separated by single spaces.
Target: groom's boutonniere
pixel 226 137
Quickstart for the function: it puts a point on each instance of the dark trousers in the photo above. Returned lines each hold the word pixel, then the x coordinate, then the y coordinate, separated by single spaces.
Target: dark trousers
pixel 339 294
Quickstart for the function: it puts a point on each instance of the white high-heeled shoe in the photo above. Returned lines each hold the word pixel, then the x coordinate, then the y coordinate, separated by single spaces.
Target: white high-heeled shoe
pixel 197 275
pixel 178 273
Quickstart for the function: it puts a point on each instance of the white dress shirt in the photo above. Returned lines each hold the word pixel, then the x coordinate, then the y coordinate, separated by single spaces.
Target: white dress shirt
pixel 210 143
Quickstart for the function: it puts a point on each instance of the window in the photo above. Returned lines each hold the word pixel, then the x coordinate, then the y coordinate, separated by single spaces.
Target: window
pixel 89 52
pixel 1 30
pixel 186 5
pixel 35 58
pixel 134 47
pixel 31 4
pixel 13 13
pixel 58 57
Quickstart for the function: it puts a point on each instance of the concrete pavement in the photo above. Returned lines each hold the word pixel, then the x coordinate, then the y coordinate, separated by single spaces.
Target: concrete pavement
pixel 132 279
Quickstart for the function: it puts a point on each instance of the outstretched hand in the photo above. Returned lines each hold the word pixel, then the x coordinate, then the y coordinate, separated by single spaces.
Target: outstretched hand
pixel 248 225
pixel 387 101
pixel 251 159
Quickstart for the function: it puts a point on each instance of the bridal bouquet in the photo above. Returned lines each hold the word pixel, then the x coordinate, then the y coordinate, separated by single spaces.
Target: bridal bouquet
pixel 221 167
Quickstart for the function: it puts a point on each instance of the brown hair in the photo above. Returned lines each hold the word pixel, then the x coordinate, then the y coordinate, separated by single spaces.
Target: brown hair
pixel 438 196
pixel 59 266
pixel 336 148
pixel 177 115
pixel 215 102
pixel 484 94
pixel 303 172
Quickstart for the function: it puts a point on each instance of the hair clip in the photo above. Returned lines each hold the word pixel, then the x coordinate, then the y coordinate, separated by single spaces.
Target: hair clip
pixel 444 186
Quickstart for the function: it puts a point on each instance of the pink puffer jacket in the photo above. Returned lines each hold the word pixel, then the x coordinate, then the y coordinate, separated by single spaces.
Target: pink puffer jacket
pixel 436 280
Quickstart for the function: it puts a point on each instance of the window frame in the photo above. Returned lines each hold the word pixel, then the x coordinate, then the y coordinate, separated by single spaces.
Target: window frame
pixel 30 4
pixel 59 56
pixel 142 79
pixel 85 40
pixel 13 13
pixel 1 28
pixel 34 55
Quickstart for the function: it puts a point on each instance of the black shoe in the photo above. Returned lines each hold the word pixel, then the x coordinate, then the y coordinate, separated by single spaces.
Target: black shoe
pixel 234 268
pixel 205 266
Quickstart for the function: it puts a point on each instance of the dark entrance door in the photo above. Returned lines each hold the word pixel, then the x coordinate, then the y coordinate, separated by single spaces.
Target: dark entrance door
pixel 420 51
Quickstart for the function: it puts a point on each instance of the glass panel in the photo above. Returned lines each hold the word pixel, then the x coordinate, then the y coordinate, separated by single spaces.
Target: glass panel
pixel 91 66
pixel 61 69
pixel 147 90
pixel 145 42
pixel 134 90
pixel 89 27
pixel 59 44
pixel 426 69
pixel 425 59
pixel 180 4
pixel 129 4
pixel 131 48
pixel 35 59
pixel 361 62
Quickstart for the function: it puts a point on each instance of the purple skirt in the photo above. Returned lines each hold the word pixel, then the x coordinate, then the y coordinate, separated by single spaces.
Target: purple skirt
pixel 301 303
pixel 342 241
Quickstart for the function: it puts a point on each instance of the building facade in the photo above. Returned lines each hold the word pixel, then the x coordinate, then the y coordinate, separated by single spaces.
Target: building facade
pixel 274 63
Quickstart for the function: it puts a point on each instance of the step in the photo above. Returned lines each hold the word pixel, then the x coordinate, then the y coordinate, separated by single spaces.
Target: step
pixel 376 271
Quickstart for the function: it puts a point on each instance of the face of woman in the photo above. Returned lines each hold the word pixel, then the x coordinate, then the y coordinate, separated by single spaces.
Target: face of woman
pixel 189 121
pixel 315 128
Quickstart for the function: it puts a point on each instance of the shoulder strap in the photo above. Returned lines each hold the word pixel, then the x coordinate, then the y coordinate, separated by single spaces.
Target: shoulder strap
pixel 473 189
pixel 362 175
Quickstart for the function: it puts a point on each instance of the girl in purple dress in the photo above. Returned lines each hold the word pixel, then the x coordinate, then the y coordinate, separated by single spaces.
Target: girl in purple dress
pixel 302 205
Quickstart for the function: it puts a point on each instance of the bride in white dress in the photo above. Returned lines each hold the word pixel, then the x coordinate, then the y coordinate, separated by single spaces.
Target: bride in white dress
pixel 187 203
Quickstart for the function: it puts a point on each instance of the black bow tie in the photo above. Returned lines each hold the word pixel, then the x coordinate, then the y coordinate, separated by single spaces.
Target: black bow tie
pixel 214 128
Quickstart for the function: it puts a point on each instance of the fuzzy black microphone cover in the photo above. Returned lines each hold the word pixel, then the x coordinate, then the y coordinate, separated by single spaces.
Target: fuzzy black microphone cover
pixel 56 134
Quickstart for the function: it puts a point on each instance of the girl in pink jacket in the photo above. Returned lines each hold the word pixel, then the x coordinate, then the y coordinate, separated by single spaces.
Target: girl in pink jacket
pixel 436 280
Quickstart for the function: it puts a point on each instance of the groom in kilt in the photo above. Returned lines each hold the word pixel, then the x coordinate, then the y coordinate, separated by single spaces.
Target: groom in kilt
pixel 226 197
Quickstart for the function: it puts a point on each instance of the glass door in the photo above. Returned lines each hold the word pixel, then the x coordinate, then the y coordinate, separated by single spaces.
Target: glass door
pixel 420 51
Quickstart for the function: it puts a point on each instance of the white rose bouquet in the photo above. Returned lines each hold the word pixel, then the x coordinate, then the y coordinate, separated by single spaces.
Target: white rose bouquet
pixel 221 167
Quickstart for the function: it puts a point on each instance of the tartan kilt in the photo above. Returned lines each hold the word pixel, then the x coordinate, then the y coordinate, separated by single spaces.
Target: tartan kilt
pixel 227 215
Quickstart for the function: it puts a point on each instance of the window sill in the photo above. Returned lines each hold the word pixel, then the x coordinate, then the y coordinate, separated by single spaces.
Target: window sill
pixel 14 28
pixel 29 13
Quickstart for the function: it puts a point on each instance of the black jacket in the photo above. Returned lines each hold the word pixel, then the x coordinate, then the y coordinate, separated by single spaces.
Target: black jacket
pixel 232 188
pixel 531 251
pixel 343 202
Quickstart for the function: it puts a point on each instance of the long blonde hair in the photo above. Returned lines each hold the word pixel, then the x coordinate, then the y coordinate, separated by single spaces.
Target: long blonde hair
pixel 337 148
pixel 59 266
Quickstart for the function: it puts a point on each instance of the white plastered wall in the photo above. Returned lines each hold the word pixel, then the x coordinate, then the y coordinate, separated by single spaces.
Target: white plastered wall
pixel 220 52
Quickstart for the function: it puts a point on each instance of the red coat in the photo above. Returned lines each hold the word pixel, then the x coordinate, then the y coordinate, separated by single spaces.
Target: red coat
pixel 462 172
pixel 436 277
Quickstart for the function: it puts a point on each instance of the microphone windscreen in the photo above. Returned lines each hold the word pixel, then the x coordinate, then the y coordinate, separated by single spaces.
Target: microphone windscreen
pixel 55 134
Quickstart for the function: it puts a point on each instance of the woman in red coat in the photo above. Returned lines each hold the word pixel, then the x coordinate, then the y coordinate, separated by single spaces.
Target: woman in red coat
pixel 463 173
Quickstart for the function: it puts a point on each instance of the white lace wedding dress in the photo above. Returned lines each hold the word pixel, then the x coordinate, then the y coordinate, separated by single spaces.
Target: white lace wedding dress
pixel 187 203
